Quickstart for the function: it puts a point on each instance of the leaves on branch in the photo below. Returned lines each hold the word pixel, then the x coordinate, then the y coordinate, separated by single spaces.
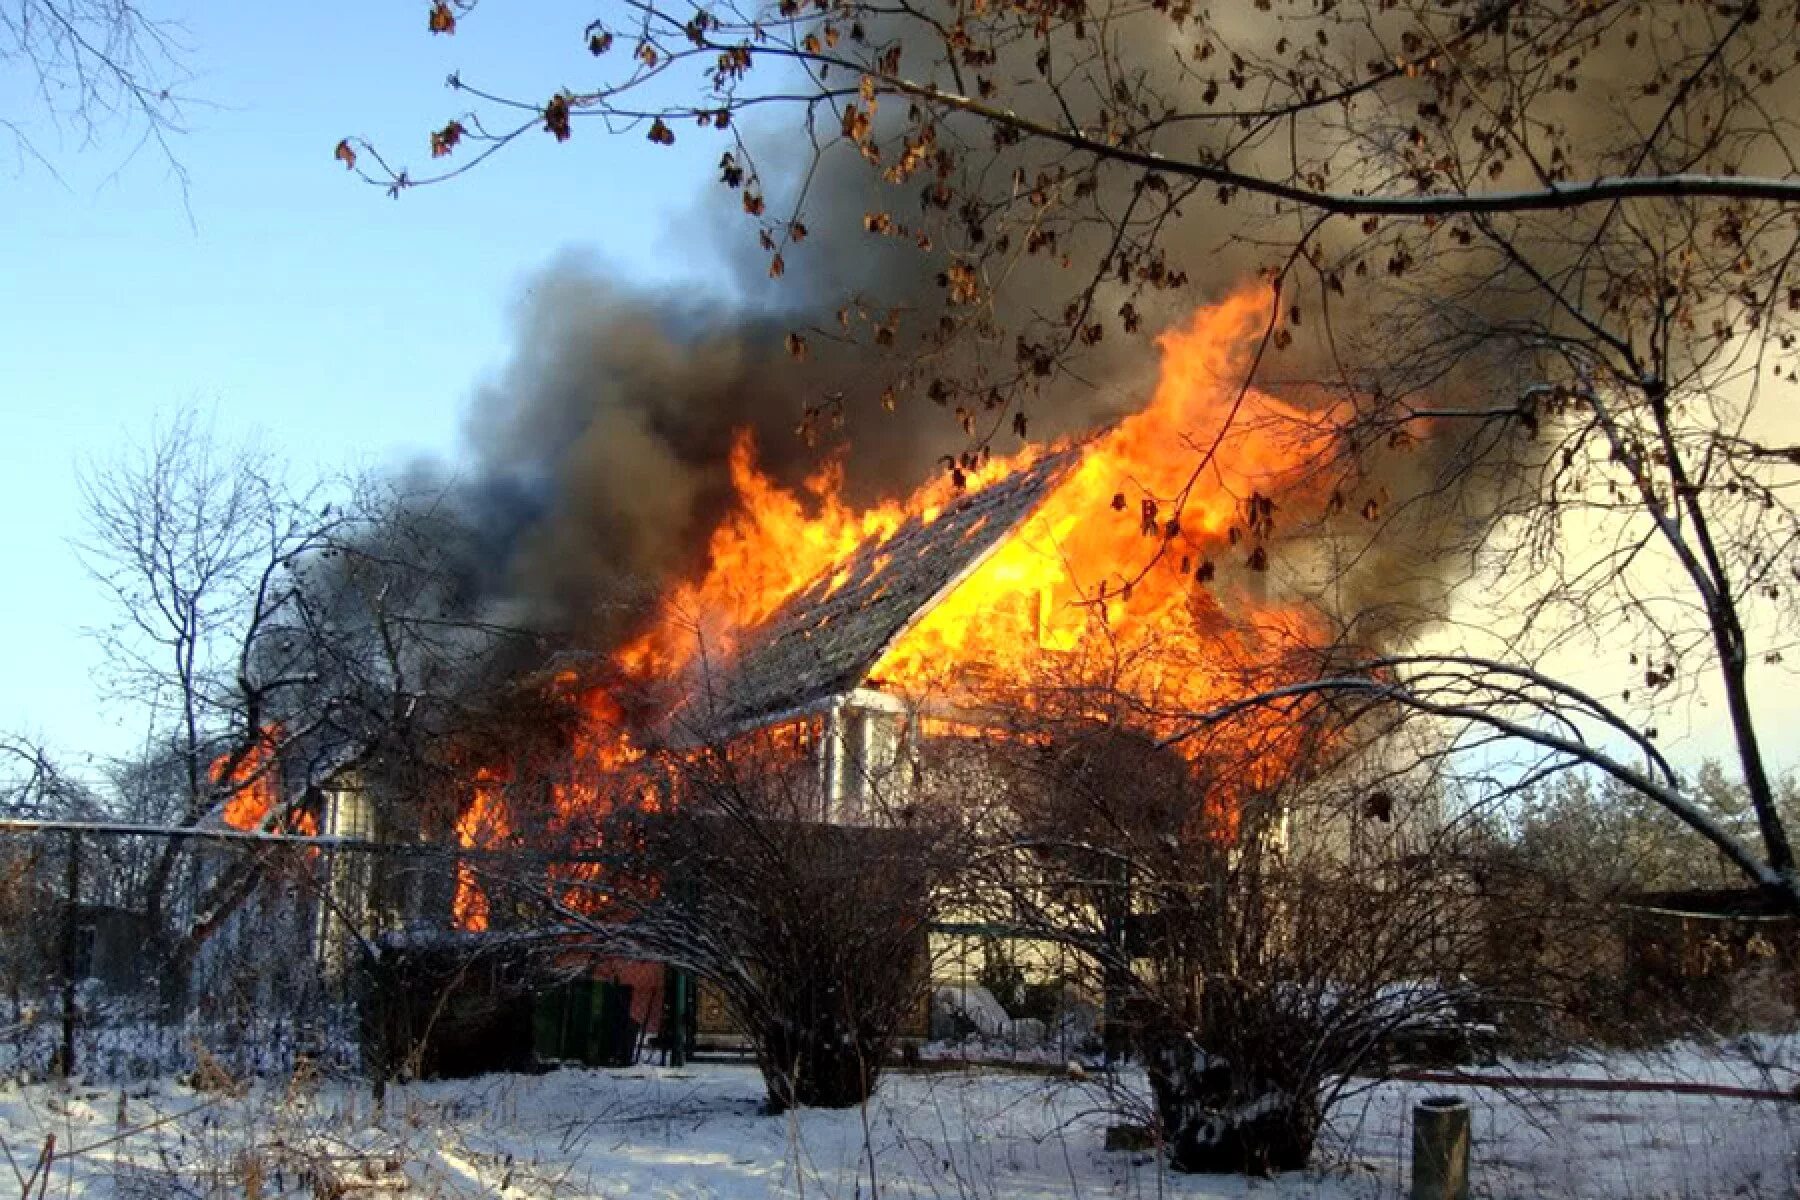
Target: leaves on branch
pixel 856 123
pixel 733 64
pixel 345 154
pixel 556 117
pixel 442 20
pixel 600 40
pixel 444 140
pixel 962 283
pixel 1259 514
pixel 660 133
pixel 796 346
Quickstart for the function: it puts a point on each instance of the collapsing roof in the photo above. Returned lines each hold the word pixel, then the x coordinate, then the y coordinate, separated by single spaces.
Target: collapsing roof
pixel 825 639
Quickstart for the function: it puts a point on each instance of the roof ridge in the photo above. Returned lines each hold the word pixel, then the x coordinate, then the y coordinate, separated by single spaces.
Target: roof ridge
pixel 823 640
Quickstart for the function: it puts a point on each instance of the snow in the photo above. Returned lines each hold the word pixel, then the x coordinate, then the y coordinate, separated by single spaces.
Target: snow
pixel 940 1134
pixel 987 1029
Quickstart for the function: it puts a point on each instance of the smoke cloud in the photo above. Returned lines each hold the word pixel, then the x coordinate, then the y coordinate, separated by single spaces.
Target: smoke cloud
pixel 600 448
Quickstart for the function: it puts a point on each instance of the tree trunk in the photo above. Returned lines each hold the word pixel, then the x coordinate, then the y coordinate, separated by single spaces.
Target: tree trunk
pixel 173 980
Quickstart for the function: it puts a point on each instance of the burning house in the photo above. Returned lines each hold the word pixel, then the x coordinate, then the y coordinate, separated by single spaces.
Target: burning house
pixel 1122 577
pixel 1134 563
pixel 1122 580
pixel 819 657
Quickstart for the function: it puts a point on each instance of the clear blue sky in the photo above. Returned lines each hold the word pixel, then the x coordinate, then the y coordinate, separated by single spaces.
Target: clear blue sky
pixel 345 328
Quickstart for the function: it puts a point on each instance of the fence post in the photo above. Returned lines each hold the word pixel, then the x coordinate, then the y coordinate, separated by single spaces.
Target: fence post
pixel 678 1007
pixel 71 915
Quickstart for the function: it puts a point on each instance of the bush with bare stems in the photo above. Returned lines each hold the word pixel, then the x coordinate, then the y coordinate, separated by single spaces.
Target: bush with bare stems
pixel 813 933
pixel 1263 939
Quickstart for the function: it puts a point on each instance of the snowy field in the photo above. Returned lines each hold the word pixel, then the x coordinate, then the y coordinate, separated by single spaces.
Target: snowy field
pixel 974 1134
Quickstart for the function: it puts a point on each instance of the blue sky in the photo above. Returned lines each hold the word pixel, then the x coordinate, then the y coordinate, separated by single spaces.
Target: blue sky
pixel 296 304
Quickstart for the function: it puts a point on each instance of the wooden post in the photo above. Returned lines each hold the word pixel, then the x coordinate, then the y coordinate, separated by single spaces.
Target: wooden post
pixel 1440 1158
pixel 71 915
pixel 1115 974
pixel 677 1032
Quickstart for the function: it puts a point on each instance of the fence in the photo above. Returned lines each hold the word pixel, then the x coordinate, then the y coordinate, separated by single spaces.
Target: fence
pixel 128 951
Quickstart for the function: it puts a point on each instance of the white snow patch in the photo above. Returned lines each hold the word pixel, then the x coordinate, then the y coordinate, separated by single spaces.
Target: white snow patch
pixel 997 1135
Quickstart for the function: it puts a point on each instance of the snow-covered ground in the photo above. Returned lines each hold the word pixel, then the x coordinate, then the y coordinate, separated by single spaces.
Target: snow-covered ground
pixel 979 1134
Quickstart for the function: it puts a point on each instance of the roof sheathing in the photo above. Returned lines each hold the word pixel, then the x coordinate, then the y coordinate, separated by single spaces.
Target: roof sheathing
pixel 824 640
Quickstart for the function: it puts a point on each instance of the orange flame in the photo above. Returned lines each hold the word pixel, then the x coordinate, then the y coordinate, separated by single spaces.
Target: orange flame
pixel 774 543
pixel 1125 549
pixel 1146 562
pixel 482 826
pixel 255 791
pixel 1127 545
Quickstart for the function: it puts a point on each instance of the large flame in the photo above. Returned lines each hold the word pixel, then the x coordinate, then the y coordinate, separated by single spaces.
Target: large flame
pixel 774 543
pixel 1146 565
pixel 1125 559
pixel 1173 497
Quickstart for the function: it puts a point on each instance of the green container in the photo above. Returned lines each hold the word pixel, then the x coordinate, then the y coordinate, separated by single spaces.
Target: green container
pixel 585 1021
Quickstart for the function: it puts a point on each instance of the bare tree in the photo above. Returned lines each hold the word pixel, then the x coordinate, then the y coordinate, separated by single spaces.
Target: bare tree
pixel 91 66
pixel 1621 488
pixel 392 647
pixel 813 932
pixel 33 786
pixel 723 859
pixel 196 543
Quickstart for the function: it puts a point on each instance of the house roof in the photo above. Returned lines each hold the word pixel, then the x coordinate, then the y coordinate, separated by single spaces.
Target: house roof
pixel 824 640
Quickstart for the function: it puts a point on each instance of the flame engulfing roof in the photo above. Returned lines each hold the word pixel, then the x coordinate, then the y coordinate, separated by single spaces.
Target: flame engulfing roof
pixel 823 641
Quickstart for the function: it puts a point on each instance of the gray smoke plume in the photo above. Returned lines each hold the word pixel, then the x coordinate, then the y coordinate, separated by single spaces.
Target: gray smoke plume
pixel 600 447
